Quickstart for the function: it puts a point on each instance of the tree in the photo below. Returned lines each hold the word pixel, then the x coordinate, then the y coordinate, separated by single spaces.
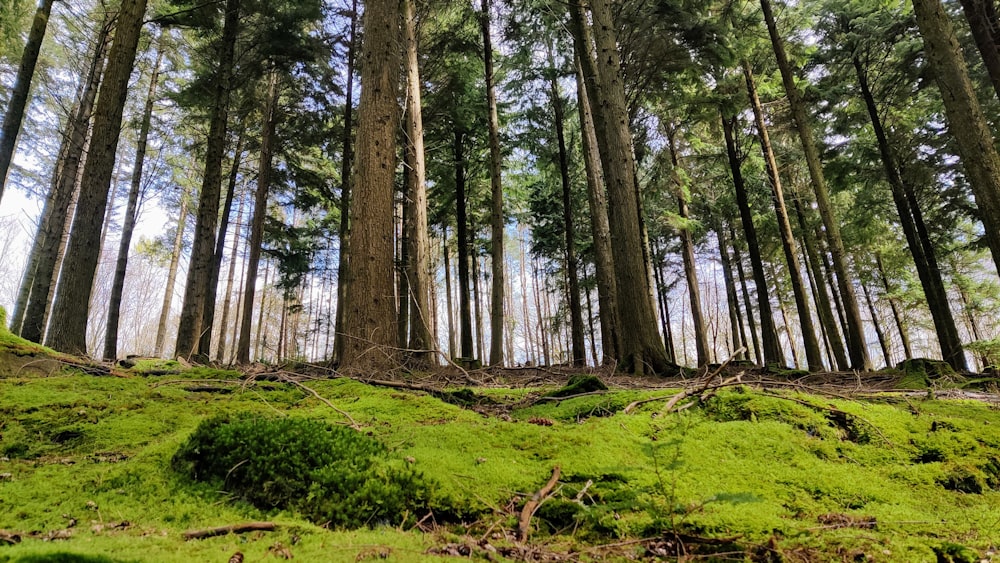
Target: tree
pixel 22 84
pixel 69 311
pixel 370 317
pixel 497 220
pixel 966 120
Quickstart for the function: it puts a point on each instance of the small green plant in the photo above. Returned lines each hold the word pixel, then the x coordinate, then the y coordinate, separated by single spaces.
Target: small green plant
pixel 332 475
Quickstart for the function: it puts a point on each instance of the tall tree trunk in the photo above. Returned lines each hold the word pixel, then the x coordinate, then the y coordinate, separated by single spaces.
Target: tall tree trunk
pixel 664 301
pixel 131 212
pixel 69 312
pixel 259 342
pixel 22 85
pixel 465 310
pixel 883 343
pixel 208 316
pixel 402 234
pixel 347 152
pixel 496 200
pixel 904 338
pixel 827 319
pixel 264 172
pixel 772 353
pixel 220 352
pixel 735 322
pixel 418 265
pixel 477 302
pixel 746 295
pixel 50 239
pixel 452 348
pixel 371 311
pixel 579 352
pixel 203 250
pixel 597 202
pixel 856 345
pixel 982 18
pixel 784 318
pixel 168 293
pixel 923 255
pixel 687 254
pixel 642 348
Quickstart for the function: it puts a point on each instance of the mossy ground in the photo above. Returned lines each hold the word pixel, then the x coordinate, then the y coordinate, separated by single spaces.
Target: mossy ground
pixel 775 473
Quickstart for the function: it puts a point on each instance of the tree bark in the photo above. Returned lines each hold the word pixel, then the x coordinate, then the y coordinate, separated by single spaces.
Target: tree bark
pixel 642 348
pixel 347 148
pixel 772 353
pixel 857 348
pixel 168 293
pixel 687 254
pixel 208 316
pixel 735 322
pixel 923 255
pixel 29 315
pixel 579 352
pixel 496 200
pixel 738 260
pixel 14 115
pixel 418 265
pixel 449 302
pixel 264 172
pixel 464 306
pixel 203 250
pixel 371 310
pixel 982 18
pixel 69 312
pixel 220 352
pixel 597 202
pixel 131 212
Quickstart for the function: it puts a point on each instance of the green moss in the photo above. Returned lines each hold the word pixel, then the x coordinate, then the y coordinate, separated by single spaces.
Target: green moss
pixel 579 384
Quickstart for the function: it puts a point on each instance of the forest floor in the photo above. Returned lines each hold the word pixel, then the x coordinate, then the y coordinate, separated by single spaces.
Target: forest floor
pixel 728 464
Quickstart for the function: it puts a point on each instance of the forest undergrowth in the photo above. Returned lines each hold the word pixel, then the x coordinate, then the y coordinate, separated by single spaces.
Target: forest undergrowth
pixel 109 463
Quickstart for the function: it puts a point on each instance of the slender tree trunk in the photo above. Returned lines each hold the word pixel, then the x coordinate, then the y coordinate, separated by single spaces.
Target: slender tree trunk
pixel 203 250
pixel 220 352
pixel 19 94
pixel 642 348
pixel 830 283
pixel 53 230
pixel 857 350
pixel 69 312
pixel 477 301
pixel 923 254
pixel 418 265
pixel 664 301
pixel 447 288
pixel 769 335
pixel 208 318
pixel 371 312
pixel 882 342
pixel 402 231
pixel 597 201
pixel 982 18
pixel 343 259
pixel 257 219
pixel 904 338
pixel 687 253
pixel 237 312
pixel 735 323
pixel 465 311
pixel 528 332
pixel 579 352
pixel 168 293
pixel 784 319
pixel 746 295
pixel 543 333
pixel 828 321
pixel 496 201
pixel 260 343
pixel 131 212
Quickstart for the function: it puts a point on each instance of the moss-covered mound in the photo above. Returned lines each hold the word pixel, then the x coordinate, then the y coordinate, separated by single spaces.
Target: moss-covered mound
pixel 333 475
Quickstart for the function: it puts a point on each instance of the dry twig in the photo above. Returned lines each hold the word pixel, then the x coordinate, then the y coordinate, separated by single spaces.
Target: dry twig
pixel 524 523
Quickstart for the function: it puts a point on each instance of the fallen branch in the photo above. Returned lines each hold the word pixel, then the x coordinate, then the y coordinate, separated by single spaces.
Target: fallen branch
pixel 10 538
pixel 524 523
pixel 232 529
pixel 291 380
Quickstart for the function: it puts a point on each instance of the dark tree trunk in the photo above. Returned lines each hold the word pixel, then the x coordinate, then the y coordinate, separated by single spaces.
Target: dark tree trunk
pixel 51 235
pixel 923 254
pixel 904 338
pixel 735 322
pixel 131 212
pixel 746 295
pixel 857 349
pixel 264 172
pixel 982 18
pixel 496 200
pixel 343 258
pixel 769 335
pixel 69 312
pixel 220 352
pixel 203 250
pixel 22 85
pixel 882 342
